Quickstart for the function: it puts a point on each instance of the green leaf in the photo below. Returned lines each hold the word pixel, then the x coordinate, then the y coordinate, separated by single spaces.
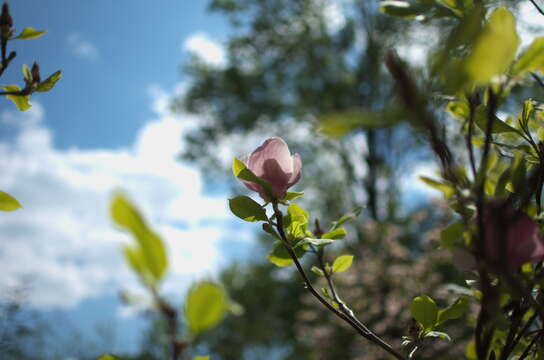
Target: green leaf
pixel 136 260
pixel 458 109
pixel 151 247
pixel 298 220
pixel 205 305
pixel 313 241
pixel 26 73
pixel 21 101
pixel 342 263
pixel 494 49
pixel 107 357
pixel 438 334
pixel 446 189
pixel 317 271
pixel 531 59
pixel 279 255
pixel 201 358
pixel 339 124
pixel 338 233
pixel 470 351
pixel 499 126
pixel 30 33
pixel 247 209
pixel 424 310
pixel 454 311
pixel 405 9
pixel 292 195
pixel 240 170
pixel 350 216
pixel 50 82
pixel 452 235
pixel 8 202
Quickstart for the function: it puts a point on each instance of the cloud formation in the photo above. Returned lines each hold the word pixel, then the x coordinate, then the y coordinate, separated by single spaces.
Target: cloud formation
pixel 205 48
pixel 82 48
pixel 63 239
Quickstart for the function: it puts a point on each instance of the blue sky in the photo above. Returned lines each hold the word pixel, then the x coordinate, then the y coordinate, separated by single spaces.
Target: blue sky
pixel 111 52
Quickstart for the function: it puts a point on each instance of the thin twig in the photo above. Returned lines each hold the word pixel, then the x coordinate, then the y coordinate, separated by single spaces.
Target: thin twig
pixel 367 335
pixel 537 7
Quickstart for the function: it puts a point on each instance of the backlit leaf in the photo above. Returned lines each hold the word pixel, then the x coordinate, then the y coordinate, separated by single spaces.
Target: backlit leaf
pixel 494 49
pixel 425 311
pixel 205 305
pixel 30 33
pixel 8 202
pixel 342 263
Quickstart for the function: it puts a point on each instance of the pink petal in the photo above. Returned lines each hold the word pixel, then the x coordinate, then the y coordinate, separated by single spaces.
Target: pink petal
pixel 297 166
pixel 273 148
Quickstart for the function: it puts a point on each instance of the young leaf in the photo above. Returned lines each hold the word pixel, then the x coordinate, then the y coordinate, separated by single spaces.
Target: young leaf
pixel 50 82
pixel 205 306
pixel 107 357
pixel 531 59
pixel 424 310
pixel 317 271
pixel 494 49
pixel 438 334
pixel 8 202
pixel 499 126
pixel 292 195
pixel 454 311
pixel 350 216
pixel 338 233
pixel 26 73
pixel 240 171
pixel 446 189
pixel 30 33
pixel 247 209
pixel 21 101
pixel 149 244
pixel 451 235
pixel 342 263
pixel 313 241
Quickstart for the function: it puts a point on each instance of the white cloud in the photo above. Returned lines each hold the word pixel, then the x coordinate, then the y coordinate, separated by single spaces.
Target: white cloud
pixel 208 50
pixel 63 238
pixel 82 48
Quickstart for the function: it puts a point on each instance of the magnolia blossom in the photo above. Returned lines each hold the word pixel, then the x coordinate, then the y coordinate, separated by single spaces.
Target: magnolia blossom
pixel 523 241
pixel 502 223
pixel 273 162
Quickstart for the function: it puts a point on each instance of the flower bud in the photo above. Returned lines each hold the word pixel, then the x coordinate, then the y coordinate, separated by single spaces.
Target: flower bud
pixel 5 18
pixel 273 162
pixel 35 71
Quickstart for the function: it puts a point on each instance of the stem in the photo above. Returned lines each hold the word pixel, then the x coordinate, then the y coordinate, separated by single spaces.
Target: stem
pixel 528 348
pixel 345 309
pixel 367 335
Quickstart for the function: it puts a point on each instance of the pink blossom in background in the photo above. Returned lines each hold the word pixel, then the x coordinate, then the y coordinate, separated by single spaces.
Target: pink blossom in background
pixel 524 243
pixel 273 162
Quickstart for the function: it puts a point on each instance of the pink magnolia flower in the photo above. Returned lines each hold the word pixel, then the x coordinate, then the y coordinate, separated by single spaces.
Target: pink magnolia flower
pixel 523 241
pixel 273 162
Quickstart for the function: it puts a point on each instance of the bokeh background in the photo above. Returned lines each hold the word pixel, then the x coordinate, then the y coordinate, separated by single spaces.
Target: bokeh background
pixel 156 99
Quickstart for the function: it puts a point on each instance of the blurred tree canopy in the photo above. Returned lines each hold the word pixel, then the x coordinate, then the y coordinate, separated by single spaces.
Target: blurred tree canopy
pixel 290 63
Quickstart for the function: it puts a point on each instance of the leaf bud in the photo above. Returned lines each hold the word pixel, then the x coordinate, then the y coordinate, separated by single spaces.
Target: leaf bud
pixel 6 22
pixel 35 71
